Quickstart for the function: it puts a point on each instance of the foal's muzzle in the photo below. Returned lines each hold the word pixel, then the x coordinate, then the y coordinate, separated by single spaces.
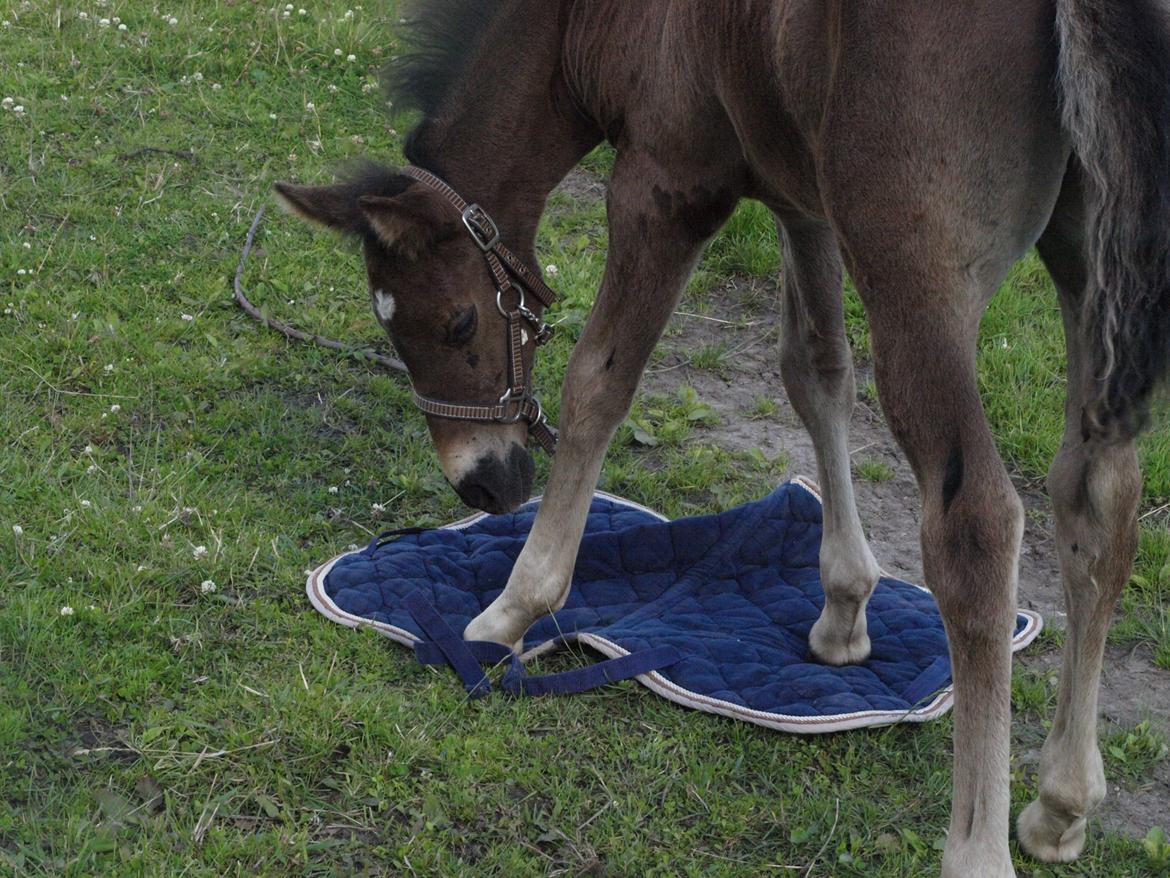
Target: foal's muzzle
pixel 497 484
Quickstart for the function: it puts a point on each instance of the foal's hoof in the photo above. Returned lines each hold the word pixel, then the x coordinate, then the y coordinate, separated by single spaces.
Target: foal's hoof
pixel 1048 836
pixel 830 650
pixel 499 625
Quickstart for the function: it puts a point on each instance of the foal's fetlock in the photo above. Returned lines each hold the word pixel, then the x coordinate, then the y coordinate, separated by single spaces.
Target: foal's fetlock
pixel 514 612
pixel 988 860
pixel 1053 828
pixel 1051 835
pixel 840 636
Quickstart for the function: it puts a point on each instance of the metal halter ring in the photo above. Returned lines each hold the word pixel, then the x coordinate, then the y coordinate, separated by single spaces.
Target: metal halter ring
pixel 520 307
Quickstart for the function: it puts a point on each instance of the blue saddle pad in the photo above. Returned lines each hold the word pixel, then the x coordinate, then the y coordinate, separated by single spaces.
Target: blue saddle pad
pixel 730 598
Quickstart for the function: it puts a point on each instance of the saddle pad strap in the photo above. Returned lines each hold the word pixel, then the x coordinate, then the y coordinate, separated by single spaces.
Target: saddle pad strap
pixel 452 645
pixel 935 677
pixel 516 682
pixel 483 651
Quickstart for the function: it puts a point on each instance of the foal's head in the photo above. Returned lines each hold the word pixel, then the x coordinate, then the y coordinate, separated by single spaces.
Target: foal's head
pixel 432 293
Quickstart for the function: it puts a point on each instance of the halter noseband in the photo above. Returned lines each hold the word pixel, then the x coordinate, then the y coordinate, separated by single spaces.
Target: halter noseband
pixel 516 404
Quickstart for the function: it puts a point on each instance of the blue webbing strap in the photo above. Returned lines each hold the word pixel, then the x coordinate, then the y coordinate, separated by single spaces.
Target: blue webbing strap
pixel 516 682
pixel 451 644
pixel 447 647
pixel 936 675
pixel 485 652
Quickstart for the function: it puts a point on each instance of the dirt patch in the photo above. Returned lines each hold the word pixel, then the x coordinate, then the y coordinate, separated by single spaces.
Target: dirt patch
pixel 743 322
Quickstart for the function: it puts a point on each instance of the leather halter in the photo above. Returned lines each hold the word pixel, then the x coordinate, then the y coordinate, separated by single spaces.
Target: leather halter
pixel 516 403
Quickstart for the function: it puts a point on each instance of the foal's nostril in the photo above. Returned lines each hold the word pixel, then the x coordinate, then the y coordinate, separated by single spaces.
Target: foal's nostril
pixel 495 485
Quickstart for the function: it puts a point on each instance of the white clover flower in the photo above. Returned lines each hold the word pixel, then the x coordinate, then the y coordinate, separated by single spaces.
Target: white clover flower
pixel 199 552
pixel 377 509
pixel 198 77
pixel 103 22
pixel 67 611
pixel 115 408
pixel 349 13
pixel 187 317
pixel 7 23
pixel 122 27
pixel 136 509
pixel 289 7
pixel 351 58
pixel 310 106
pixel 332 89
pixel 333 489
pixel 18 109
pixel 27 245
pixel 85 504
pixel 21 271
pixel 367 87
pixel 302 12
pixel 285 14
pixel 337 52
pixel 93 467
pixel 108 368
pixel 215 86
pixel 7 103
pixel 207 586
pixel 83 15
pixel 88 449
pixel 551 270
pixel 172 21
pixel 271 115
pixel 17 530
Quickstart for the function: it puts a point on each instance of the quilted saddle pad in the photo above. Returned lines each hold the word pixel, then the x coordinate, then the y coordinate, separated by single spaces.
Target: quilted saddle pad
pixel 712 612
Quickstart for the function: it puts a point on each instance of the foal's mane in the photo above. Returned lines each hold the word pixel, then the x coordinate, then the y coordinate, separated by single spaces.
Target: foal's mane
pixel 440 37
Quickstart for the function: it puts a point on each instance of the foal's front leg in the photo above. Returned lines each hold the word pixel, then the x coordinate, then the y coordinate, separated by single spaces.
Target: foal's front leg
pixel 652 252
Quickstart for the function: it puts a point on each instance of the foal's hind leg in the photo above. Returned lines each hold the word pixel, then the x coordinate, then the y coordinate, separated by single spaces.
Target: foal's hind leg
pixel 972 523
pixel 1095 488
pixel 817 366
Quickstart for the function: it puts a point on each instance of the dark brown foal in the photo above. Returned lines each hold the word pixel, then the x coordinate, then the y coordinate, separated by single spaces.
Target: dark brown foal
pixel 926 147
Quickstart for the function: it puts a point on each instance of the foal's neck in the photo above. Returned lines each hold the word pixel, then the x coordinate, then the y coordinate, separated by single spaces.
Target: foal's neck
pixel 509 131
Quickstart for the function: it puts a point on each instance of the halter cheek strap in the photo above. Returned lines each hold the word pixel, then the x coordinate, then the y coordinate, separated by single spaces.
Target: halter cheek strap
pixel 512 278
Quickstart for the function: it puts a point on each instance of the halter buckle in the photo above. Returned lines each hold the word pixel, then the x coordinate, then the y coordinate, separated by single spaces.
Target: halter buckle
pixel 482 227
pixel 516 414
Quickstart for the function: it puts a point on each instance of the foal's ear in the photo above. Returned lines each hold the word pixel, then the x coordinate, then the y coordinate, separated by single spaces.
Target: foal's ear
pixel 411 221
pixel 335 206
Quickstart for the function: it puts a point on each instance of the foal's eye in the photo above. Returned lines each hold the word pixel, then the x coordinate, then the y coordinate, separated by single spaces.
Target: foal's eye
pixel 463 327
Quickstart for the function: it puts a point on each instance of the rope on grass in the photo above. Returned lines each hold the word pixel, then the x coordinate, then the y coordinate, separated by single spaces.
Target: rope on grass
pixel 291 331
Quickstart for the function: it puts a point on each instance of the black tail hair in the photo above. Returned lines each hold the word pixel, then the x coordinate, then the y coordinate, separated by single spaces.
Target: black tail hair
pixel 1114 75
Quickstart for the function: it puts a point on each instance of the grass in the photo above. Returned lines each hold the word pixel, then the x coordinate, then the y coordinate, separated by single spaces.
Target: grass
pixel 172 469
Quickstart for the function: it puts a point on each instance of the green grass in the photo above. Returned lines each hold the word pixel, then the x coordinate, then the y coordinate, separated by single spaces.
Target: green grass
pixel 157 439
pixel 873 470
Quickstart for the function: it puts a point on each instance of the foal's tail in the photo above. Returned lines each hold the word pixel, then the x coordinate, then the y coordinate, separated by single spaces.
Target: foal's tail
pixel 1114 76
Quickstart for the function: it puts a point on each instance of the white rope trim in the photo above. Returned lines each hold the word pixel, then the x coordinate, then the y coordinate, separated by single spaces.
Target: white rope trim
pixel 655 681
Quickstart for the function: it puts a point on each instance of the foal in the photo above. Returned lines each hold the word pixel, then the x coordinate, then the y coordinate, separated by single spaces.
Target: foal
pixel 925 146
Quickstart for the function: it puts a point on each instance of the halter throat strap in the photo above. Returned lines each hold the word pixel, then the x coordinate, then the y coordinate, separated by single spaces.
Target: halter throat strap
pixel 512 278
